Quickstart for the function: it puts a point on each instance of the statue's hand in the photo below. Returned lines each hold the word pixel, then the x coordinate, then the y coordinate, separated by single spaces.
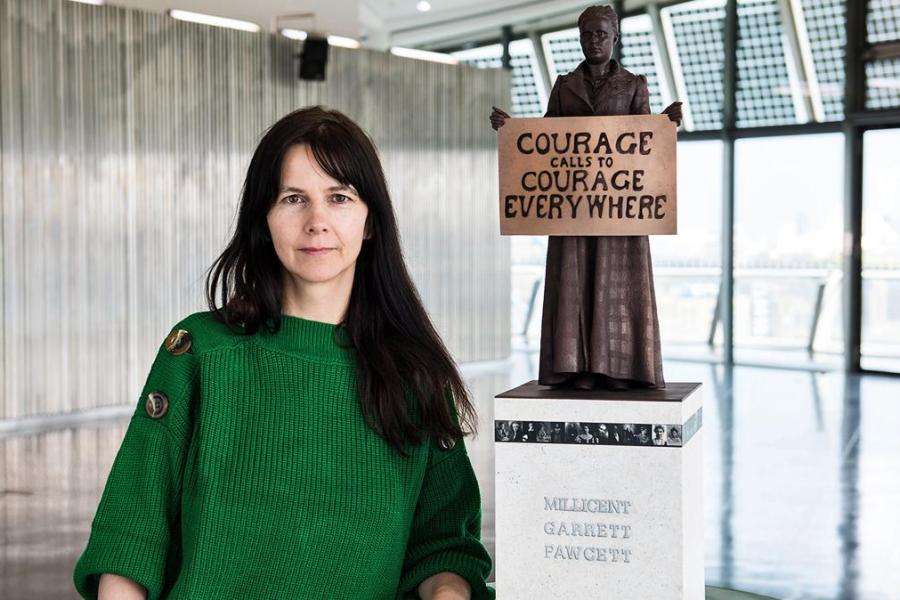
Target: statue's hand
pixel 498 118
pixel 674 112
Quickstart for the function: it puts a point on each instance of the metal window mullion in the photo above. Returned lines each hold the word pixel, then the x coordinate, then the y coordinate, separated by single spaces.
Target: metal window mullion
pixel 798 55
pixel 729 119
pixel 678 81
pixel 541 59
pixel 662 51
pixel 505 41
pixel 854 101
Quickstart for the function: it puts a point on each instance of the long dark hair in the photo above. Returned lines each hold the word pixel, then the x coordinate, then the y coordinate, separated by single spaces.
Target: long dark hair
pixel 408 383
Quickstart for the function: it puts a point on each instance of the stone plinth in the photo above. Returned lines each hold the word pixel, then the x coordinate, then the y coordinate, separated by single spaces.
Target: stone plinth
pixel 599 493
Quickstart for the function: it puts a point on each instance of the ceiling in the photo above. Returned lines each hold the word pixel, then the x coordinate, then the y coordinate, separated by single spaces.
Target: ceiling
pixel 382 23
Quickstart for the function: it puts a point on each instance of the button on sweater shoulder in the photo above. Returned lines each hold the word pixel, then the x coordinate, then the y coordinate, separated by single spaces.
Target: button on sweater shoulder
pixel 261 479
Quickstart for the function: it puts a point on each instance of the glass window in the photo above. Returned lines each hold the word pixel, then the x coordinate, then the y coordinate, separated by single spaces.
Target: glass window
pixel 821 23
pixel 687 267
pixel 883 21
pixel 765 87
pixel 529 97
pixel 528 256
pixel 696 47
pixel 881 251
pixel 563 51
pixel 883 83
pixel 788 244
pixel 640 56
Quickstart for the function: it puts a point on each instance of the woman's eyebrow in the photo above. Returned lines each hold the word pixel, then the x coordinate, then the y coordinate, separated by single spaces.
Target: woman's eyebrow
pixel 334 188
pixel 343 188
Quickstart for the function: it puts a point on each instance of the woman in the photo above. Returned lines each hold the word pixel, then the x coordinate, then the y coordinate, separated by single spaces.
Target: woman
pixel 659 436
pixel 302 438
pixel 675 436
pixel 585 437
pixel 556 434
pixel 544 434
pixel 530 433
pixel 599 326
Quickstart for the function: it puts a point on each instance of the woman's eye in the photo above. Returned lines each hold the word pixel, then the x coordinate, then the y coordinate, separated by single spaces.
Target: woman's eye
pixel 293 199
pixel 341 198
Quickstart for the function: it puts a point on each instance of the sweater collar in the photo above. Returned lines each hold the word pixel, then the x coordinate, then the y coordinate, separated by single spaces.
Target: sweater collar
pixel 313 339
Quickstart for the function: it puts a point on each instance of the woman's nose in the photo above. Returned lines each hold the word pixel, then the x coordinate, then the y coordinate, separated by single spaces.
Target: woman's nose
pixel 316 221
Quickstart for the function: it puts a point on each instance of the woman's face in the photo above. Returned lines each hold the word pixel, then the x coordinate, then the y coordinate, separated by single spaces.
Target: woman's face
pixel 597 36
pixel 317 224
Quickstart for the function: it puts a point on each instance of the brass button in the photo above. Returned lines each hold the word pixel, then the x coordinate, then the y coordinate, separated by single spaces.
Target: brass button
pixel 157 404
pixel 446 444
pixel 178 342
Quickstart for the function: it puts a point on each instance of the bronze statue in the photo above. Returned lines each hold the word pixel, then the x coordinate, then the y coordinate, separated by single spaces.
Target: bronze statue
pixel 599 326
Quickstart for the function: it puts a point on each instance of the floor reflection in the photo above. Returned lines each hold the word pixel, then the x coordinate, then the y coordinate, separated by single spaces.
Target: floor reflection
pixel 802 483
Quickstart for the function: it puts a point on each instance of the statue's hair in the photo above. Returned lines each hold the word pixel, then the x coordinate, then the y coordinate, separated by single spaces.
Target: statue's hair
pixel 604 11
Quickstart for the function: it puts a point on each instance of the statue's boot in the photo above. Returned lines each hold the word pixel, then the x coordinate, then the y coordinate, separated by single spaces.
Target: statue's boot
pixel 557 380
pixel 584 381
pixel 614 383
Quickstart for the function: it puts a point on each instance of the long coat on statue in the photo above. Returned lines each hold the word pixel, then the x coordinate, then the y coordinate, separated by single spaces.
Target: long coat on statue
pixel 599 311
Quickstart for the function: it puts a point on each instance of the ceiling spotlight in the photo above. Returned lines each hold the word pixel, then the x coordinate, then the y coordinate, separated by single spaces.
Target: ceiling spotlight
pixel 294 34
pixel 423 6
pixel 184 15
pixel 424 55
pixel 343 42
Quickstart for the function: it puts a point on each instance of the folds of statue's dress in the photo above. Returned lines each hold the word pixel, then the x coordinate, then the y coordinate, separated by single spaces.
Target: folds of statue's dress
pixel 599 312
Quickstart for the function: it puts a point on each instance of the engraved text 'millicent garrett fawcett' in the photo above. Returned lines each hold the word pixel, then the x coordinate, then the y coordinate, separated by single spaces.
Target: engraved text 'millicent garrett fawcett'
pixel 616 552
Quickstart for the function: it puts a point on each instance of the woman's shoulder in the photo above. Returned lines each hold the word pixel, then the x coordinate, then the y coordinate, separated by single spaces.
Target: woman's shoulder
pixel 626 75
pixel 204 331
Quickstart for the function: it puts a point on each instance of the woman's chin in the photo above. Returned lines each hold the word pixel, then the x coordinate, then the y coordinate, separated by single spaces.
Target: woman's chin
pixel 317 276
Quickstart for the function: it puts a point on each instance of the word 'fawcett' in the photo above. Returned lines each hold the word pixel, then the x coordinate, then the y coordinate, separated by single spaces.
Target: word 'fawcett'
pixel 588 176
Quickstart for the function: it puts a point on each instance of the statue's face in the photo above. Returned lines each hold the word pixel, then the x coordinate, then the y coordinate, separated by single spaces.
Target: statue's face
pixel 598 37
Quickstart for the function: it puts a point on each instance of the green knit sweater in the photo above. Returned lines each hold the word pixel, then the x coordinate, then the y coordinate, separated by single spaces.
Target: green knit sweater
pixel 262 480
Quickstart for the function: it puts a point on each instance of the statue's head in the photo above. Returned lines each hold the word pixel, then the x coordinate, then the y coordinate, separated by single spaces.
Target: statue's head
pixel 599 32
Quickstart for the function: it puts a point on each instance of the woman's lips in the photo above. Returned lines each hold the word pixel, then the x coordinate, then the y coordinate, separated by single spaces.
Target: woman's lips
pixel 316 251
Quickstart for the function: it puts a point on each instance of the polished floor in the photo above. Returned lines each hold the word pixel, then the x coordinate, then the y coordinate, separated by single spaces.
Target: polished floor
pixel 802 483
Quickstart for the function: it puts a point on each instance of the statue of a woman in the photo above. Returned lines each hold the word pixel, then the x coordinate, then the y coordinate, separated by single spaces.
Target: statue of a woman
pixel 599 326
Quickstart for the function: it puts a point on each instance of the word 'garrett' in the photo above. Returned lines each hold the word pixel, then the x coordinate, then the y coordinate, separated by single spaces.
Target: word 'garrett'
pixel 613 530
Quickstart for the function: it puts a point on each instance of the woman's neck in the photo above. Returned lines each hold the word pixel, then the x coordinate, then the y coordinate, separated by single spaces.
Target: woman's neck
pixel 598 70
pixel 326 302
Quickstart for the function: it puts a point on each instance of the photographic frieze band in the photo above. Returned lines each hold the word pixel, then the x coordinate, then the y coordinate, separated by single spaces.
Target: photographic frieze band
pixel 608 434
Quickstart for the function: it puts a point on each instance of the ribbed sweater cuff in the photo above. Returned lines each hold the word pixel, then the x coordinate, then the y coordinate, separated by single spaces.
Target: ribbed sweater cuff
pixel 138 560
pixel 454 562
